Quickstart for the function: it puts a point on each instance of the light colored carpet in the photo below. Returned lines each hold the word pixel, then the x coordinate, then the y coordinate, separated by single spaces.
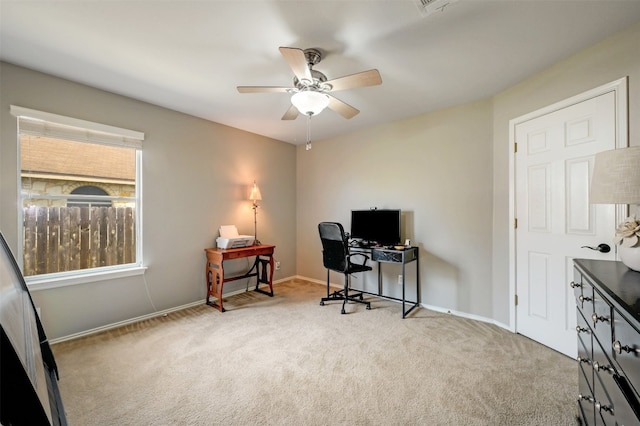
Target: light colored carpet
pixel 288 361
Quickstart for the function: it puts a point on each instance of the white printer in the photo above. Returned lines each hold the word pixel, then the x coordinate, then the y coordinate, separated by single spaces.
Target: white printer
pixel 229 238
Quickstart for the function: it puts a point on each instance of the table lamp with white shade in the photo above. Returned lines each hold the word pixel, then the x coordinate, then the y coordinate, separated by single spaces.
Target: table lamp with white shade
pixel 616 180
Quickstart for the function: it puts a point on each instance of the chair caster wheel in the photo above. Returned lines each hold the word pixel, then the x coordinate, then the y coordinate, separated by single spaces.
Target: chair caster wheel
pixel 343 312
pixel 368 307
pixel 322 303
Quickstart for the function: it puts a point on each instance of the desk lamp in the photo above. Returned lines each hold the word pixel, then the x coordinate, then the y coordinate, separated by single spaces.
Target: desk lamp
pixel 255 196
pixel 616 180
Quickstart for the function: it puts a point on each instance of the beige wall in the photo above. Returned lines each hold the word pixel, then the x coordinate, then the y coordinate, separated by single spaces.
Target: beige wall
pixel 196 176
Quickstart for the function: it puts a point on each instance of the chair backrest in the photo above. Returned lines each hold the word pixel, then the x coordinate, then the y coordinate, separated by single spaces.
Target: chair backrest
pixel 335 249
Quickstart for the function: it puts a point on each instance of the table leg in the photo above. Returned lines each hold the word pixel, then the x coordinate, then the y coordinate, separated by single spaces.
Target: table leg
pixel 261 275
pixel 215 283
pixel 271 268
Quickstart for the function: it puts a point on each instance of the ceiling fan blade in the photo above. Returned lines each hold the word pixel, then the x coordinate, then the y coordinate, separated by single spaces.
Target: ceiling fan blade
pixel 361 79
pixel 291 114
pixel 342 108
pixel 297 61
pixel 263 89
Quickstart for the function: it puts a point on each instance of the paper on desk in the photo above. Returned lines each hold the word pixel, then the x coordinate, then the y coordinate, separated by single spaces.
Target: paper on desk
pixel 228 231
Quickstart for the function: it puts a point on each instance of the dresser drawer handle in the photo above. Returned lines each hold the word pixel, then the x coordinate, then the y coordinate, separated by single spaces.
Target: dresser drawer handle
pixel 595 317
pixel 582 329
pixel 575 285
pixel 585 360
pixel 617 346
pixel 602 408
pixel 585 398
pixel 598 367
pixel 584 298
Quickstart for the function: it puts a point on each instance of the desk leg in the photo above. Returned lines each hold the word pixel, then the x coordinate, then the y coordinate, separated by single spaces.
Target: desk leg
pixel 261 275
pixel 215 283
pixel 417 302
pixel 404 297
pixel 418 279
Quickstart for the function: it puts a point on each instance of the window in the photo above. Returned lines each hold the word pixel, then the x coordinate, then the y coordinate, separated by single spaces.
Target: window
pixel 80 195
pixel 100 200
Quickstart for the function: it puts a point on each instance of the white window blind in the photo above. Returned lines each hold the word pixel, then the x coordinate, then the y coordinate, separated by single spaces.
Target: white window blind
pixel 39 123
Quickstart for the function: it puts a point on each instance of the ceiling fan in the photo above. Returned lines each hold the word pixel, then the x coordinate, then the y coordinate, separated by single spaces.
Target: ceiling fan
pixel 311 90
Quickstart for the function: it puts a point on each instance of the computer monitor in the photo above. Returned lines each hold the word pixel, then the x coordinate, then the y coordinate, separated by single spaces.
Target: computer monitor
pixel 381 227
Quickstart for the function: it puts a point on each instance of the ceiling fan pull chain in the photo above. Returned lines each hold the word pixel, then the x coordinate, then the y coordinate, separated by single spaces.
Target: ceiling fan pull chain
pixel 308 146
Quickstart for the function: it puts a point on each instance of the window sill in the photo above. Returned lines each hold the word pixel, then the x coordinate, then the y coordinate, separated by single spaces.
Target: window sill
pixel 55 281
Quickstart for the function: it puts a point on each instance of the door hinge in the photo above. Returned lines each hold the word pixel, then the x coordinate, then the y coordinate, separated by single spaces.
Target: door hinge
pixel 515 223
pixel 515 147
pixel 516 300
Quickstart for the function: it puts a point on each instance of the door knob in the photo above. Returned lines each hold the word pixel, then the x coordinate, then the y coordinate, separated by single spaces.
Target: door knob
pixel 604 248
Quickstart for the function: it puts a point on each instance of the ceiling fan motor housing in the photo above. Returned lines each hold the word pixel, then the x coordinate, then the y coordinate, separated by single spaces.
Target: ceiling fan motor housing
pixel 316 84
pixel 313 56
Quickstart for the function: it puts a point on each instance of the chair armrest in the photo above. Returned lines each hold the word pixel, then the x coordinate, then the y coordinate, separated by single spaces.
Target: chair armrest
pixel 364 261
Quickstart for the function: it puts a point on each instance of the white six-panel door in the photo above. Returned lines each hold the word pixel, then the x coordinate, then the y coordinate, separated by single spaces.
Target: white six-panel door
pixel 553 165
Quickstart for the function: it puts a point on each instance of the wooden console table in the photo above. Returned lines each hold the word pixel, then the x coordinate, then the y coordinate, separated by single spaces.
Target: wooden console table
pixel 214 271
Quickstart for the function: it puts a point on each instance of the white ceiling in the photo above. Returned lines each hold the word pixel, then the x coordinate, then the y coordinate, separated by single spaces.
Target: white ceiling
pixel 189 56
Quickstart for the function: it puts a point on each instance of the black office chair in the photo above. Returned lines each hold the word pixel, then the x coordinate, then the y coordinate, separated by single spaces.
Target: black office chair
pixel 336 257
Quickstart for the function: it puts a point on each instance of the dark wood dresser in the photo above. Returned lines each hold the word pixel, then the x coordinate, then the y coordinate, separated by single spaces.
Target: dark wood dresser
pixel 608 311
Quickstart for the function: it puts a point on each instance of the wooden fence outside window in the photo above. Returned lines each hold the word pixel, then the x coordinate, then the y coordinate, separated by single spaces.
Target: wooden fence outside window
pixel 60 239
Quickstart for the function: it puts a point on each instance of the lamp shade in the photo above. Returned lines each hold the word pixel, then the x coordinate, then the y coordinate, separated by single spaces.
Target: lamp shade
pixel 255 193
pixel 616 177
pixel 309 102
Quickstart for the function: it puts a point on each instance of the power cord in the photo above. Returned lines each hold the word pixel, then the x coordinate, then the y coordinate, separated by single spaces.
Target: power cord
pixel 146 287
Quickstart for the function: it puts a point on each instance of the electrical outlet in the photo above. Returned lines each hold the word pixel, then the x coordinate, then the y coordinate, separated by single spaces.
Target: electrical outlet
pixel 400 279
pixel 277 265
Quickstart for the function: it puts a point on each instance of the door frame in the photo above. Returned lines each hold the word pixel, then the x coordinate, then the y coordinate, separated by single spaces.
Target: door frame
pixel 619 87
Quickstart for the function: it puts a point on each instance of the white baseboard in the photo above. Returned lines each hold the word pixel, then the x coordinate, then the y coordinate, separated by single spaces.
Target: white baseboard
pixel 430 307
pixel 148 316
pixel 233 293
pixel 466 315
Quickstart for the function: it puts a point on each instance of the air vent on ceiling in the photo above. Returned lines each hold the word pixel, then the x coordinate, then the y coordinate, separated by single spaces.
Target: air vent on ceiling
pixel 427 7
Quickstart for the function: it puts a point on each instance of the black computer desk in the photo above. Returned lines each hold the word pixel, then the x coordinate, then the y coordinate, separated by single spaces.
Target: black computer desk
pixel 391 255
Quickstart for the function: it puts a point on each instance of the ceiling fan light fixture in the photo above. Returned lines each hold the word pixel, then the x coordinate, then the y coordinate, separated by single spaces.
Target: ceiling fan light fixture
pixel 309 102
